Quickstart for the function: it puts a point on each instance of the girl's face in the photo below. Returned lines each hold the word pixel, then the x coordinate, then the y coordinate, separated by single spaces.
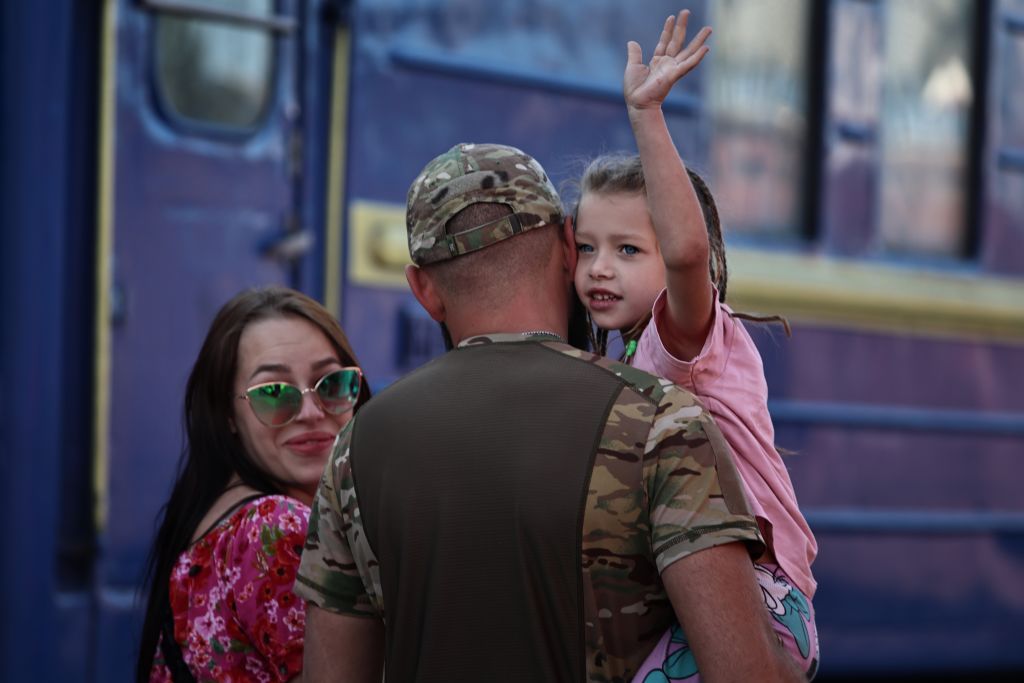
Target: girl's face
pixel 620 270
pixel 293 350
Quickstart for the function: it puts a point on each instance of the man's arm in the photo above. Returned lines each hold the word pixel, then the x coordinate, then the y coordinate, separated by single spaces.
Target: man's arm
pixel 716 599
pixel 342 649
pixel 704 534
pixel 344 638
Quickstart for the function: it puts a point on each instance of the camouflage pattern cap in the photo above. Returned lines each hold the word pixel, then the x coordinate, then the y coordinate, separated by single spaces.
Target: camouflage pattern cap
pixel 469 174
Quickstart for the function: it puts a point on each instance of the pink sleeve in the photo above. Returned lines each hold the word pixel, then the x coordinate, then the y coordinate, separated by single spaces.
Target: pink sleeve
pixel 264 560
pixel 653 357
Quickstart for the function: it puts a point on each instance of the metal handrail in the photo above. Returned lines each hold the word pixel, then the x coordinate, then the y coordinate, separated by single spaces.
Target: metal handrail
pixel 198 10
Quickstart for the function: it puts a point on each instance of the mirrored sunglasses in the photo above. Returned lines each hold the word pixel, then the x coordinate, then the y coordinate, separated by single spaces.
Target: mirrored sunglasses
pixel 275 404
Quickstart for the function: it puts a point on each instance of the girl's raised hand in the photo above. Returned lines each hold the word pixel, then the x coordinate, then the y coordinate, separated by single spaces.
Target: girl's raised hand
pixel 646 86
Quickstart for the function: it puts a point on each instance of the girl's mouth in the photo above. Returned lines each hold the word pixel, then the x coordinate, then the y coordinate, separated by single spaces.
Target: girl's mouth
pixel 602 300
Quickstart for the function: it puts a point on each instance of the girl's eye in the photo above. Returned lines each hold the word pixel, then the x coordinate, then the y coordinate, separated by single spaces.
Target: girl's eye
pixel 630 250
pixel 584 248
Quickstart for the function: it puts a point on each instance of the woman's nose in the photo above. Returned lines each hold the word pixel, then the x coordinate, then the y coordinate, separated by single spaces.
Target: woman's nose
pixel 311 408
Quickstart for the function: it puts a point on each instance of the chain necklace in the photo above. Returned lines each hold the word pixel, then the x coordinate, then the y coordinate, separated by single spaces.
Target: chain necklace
pixel 544 333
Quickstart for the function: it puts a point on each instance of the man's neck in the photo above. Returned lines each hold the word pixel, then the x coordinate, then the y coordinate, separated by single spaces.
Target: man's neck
pixel 509 322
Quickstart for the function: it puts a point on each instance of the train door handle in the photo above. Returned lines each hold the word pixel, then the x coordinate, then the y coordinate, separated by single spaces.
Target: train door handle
pixel 289 247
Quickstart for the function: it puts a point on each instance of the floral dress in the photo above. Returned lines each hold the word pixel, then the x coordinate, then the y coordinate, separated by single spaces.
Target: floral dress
pixel 235 615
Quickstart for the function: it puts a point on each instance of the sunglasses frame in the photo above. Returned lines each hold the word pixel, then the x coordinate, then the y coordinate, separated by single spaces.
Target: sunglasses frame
pixel 302 395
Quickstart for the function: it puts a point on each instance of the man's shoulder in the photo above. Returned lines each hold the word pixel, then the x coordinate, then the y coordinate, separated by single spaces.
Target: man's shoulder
pixel 652 388
pixel 643 386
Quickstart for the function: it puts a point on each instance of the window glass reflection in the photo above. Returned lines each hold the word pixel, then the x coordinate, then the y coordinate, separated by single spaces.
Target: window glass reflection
pixel 215 72
pixel 1011 90
pixel 927 96
pixel 756 95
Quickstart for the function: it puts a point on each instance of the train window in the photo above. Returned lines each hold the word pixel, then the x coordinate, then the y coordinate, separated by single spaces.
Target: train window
pixel 214 72
pixel 927 94
pixel 756 97
pixel 1010 90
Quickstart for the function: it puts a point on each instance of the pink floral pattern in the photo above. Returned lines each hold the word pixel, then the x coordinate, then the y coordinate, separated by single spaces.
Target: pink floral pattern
pixel 235 615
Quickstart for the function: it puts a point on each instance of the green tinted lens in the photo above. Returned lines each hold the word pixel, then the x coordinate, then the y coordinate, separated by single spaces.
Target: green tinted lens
pixel 339 390
pixel 275 404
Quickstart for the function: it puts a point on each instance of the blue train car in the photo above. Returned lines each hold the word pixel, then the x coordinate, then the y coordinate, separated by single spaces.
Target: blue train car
pixel 867 156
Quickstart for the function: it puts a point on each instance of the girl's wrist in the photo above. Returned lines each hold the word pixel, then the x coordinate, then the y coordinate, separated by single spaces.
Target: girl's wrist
pixel 638 113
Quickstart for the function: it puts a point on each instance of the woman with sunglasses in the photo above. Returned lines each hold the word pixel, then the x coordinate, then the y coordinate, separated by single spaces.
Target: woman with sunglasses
pixel 274 382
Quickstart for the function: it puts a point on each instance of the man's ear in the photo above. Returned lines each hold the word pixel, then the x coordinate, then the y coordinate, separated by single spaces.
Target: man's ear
pixel 423 288
pixel 570 252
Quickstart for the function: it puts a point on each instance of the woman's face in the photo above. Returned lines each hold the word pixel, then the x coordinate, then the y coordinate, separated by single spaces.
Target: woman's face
pixel 293 350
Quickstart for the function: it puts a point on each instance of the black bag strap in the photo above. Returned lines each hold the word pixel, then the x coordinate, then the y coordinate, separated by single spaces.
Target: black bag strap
pixel 227 513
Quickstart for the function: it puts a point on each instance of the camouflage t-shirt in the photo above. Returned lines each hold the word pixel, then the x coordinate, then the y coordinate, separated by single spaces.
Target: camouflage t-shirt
pixel 516 560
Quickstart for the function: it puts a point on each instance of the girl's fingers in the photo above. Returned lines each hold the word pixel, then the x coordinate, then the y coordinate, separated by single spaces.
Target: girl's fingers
pixel 665 37
pixel 695 44
pixel 634 53
pixel 679 34
pixel 684 66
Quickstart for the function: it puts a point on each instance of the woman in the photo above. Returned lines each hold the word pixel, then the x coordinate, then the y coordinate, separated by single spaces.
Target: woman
pixel 274 382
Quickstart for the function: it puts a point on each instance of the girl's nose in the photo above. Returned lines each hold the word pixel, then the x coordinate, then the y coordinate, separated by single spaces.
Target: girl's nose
pixel 600 268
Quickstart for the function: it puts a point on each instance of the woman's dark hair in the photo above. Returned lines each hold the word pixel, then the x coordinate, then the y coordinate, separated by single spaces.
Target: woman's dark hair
pixel 212 452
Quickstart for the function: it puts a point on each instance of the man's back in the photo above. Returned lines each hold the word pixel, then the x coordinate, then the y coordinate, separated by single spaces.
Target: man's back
pixel 508 508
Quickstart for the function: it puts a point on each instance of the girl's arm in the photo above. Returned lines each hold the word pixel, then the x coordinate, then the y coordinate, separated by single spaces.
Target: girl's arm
pixel 675 212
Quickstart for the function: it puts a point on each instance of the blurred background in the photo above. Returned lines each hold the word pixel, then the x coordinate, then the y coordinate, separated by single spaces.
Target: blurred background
pixel 867 157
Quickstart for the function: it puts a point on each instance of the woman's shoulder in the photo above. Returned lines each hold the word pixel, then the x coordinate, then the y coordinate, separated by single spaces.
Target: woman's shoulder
pixel 273 511
pixel 258 533
pixel 247 520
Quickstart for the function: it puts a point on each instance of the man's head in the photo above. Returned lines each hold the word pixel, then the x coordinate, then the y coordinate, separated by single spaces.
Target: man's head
pixel 462 214
pixel 469 174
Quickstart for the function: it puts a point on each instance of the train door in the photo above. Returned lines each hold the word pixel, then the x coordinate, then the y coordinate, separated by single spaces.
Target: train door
pixel 200 196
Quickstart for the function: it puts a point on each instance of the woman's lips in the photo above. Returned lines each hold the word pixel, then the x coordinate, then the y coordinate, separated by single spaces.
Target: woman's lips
pixel 310 443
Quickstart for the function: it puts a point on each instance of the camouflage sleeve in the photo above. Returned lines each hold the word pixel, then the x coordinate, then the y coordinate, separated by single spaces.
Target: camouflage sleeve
pixel 695 497
pixel 338 571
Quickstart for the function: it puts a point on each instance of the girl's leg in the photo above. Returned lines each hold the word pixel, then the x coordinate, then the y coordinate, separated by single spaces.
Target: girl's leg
pixel 792 615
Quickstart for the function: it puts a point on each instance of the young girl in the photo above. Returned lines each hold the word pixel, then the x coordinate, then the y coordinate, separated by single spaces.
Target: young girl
pixel 647 230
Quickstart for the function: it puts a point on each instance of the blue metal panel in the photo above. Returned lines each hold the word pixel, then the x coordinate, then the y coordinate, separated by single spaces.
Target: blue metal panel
pixel 422 59
pixel 914 522
pixel 39 284
pixel 192 214
pixel 317 19
pixel 898 605
pixel 899 418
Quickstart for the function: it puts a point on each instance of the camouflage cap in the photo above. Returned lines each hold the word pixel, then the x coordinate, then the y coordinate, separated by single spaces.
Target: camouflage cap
pixel 470 174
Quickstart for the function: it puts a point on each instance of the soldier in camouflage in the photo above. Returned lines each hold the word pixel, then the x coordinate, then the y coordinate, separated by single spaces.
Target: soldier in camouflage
pixel 519 509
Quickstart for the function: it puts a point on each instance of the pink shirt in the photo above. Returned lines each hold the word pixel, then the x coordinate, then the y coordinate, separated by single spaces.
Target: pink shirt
pixel 728 377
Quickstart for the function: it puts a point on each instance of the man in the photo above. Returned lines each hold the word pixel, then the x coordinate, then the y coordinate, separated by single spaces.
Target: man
pixel 517 509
